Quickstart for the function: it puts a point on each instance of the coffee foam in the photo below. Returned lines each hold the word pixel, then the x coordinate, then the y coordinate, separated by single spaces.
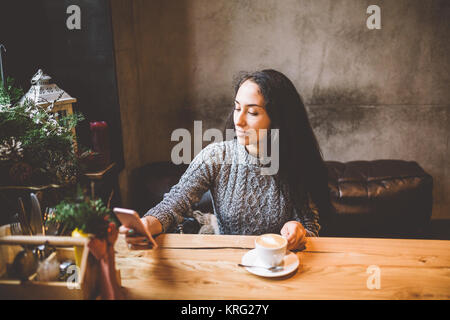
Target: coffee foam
pixel 271 241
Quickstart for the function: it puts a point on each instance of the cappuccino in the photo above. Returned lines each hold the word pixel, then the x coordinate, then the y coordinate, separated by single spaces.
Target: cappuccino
pixel 270 249
pixel 271 241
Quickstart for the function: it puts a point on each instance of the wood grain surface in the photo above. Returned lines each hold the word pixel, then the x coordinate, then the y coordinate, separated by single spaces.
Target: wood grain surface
pixel 205 267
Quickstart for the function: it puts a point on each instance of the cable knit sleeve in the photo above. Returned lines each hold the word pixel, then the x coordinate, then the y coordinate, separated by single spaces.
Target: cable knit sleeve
pixel 308 216
pixel 192 185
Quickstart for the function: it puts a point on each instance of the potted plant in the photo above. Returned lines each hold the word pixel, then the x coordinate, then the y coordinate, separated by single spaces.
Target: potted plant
pixel 81 216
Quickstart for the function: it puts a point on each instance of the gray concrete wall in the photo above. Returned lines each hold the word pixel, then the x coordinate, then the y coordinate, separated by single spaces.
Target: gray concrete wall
pixel 370 94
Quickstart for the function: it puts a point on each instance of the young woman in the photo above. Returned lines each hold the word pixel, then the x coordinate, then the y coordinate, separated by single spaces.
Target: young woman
pixel 246 201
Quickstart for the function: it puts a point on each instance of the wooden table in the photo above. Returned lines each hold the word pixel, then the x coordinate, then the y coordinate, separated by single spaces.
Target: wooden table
pixel 204 267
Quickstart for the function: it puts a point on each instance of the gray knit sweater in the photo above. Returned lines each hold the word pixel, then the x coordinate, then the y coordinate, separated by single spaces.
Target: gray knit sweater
pixel 245 201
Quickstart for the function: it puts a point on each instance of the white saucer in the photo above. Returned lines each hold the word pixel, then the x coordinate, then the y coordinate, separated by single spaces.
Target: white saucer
pixel 290 263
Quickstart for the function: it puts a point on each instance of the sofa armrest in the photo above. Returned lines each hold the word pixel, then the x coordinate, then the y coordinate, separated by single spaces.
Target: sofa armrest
pixel 381 198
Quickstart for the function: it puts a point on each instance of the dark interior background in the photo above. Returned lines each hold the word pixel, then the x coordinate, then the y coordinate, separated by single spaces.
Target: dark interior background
pixel 81 62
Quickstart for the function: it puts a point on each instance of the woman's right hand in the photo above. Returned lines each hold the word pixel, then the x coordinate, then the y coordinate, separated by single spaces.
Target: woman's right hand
pixel 139 241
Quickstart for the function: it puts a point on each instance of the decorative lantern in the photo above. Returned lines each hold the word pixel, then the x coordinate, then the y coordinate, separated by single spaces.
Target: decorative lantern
pixel 45 94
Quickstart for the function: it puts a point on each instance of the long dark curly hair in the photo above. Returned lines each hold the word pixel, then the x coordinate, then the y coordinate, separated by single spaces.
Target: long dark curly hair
pixel 302 166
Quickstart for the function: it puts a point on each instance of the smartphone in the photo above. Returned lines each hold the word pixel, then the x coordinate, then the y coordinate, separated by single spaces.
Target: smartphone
pixel 130 219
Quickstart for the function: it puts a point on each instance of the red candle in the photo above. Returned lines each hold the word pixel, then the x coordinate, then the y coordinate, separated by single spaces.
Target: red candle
pixel 100 140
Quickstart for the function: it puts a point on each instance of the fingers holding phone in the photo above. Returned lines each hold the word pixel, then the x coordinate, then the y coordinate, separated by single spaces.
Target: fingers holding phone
pixel 134 239
pixel 137 231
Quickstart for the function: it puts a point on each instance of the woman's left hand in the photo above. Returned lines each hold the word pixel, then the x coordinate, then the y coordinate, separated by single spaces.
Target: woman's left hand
pixel 295 234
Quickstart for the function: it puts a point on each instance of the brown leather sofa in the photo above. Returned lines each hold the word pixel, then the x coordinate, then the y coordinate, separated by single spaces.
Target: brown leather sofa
pixel 382 198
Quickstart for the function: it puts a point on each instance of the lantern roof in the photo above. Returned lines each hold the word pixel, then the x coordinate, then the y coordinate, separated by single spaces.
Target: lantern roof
pixel 43 93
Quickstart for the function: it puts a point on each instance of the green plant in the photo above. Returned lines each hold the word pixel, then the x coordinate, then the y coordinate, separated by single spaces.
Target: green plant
pixel 35 136
pixel 87 215
pixel 9 94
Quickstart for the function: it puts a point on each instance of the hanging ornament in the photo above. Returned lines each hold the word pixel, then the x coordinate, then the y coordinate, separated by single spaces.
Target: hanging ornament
pixel 10 149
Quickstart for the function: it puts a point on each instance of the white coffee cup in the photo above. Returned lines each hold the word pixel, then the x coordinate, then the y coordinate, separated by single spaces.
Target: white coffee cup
pixel 270 249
